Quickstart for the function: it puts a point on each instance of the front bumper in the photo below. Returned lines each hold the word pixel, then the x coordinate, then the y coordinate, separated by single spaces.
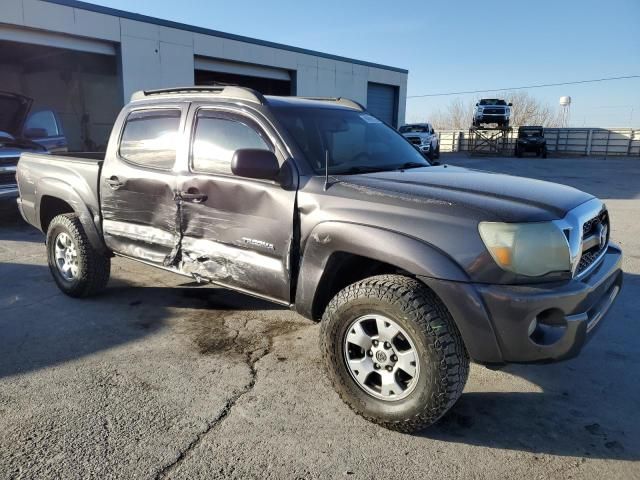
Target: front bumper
pixel 531 147
pixel 495 320
pixel 489 118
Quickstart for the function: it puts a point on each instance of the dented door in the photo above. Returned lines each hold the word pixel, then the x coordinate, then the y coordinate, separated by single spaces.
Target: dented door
pixel 138 184
pixel 236 231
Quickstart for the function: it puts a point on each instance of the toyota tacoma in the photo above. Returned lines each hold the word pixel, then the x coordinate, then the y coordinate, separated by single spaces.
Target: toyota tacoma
pixel 315 204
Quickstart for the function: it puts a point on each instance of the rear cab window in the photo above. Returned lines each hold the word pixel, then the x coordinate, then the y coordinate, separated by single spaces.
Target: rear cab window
pixel 150 137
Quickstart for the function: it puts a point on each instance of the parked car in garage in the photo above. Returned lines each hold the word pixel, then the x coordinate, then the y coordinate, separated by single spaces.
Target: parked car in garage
pixel 531 139
pixel 22 132
pixel 491 111
pixel 316 205
pixel 423 136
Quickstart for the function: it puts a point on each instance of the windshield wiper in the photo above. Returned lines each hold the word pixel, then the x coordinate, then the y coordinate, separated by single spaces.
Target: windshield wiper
pixel 408 165
pixel 360 169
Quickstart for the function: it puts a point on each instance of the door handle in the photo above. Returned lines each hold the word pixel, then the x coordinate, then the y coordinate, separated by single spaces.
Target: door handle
pixel 114 182
pixel 193 195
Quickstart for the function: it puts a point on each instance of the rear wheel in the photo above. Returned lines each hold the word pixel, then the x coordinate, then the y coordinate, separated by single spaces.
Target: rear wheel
pixel 393 352
pixel 78 269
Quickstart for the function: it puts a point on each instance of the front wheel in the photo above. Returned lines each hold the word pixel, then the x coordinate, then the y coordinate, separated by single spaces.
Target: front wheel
pixel 393 352
pixel 78 269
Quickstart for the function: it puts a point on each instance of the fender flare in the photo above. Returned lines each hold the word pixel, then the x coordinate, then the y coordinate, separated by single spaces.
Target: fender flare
pixel 52 187
pixel 405 252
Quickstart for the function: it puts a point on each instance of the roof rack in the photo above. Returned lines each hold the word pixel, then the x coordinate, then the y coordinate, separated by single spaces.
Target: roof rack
pixel 232 92
pixel 342 101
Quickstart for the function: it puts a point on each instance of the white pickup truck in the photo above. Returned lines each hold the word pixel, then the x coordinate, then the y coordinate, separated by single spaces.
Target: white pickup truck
pixel 424 137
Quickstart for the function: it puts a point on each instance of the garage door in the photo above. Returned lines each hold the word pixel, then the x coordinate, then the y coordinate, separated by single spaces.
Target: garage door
pixel 266 80
pixel 382 102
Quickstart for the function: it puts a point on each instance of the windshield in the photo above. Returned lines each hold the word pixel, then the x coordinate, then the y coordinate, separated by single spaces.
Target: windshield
pixel 492 101
pixel 530 133
pixel 355 142
pixel 414 129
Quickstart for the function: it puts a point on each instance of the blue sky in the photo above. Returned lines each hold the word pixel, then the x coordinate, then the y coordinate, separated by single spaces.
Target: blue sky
pixel 454 45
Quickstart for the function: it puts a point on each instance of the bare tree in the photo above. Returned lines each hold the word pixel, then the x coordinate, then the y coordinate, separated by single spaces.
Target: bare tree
pixel 456 116
pixel 526 110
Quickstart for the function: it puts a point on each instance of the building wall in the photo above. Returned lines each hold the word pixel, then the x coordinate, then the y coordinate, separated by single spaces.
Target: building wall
pixel 154 55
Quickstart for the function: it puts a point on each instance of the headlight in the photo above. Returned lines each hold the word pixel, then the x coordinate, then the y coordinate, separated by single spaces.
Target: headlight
pixel 531 249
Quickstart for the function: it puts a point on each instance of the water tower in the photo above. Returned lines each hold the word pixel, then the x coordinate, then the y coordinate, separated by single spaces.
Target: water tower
pixel 565 110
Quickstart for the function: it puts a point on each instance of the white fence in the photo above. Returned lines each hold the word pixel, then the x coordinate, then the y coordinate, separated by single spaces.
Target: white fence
pixel 571 141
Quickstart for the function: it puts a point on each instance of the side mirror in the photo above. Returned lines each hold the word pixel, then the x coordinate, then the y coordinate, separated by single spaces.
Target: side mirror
pixel 510 104
pixel 35 133
pixel 255 163
pixel 477 104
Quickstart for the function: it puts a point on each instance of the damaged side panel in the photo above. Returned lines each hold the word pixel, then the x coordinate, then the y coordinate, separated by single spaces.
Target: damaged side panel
pixel 139 218
pixel 240 235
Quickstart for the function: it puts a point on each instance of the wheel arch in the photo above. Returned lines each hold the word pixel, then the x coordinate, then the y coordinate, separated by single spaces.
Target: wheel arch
pixel 337 254
pixel 56 197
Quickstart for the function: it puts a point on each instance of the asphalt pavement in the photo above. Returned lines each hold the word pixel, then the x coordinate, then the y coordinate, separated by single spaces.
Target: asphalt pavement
pixel 157 378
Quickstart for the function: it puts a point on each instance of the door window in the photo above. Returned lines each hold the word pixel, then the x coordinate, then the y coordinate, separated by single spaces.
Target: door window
pixel 150 138
pixel 216 138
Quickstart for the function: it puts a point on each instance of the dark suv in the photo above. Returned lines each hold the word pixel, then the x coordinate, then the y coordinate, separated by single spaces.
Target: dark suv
pixel 531 139
pixel 317 205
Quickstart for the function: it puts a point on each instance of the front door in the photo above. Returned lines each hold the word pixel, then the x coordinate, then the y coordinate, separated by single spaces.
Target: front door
pixel 236 232
pixel 137 192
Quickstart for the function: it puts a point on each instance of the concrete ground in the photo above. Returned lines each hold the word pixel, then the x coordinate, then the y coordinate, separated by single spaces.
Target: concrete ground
pixel 156 379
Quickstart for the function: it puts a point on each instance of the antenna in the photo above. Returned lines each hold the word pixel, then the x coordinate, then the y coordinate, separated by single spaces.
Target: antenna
pixel 326 169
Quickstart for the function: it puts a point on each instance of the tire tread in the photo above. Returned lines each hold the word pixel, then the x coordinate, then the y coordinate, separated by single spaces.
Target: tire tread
pixel 431 315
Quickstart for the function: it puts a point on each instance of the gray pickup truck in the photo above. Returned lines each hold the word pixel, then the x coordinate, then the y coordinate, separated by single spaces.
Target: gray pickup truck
pixel 414 269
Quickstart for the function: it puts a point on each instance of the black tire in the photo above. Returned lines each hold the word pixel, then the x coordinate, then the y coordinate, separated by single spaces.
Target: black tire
pixel 437 154
pixel 93 267
pixel 544 153
pixel 443 359
pixel 518 153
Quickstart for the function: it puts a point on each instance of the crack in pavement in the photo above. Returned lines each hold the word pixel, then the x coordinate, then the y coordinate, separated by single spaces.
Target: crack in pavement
pixel 251 361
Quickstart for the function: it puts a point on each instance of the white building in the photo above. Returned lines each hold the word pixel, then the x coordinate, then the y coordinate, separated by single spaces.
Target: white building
pixel 84 61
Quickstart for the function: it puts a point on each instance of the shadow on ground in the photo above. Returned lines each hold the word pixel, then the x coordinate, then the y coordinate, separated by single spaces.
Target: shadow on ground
pixel 42 327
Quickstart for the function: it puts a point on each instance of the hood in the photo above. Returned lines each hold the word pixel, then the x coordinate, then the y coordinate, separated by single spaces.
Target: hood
pixel 14 110
pixel 481 195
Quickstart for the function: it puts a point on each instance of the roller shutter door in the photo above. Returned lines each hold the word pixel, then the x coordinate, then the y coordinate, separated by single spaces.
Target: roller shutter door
pixel 382 102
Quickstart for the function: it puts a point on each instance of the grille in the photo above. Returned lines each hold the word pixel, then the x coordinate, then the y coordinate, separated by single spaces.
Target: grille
pixel 8 178
pixel 415 140
pixel 493 111
pixel 9 161
pixel 590 229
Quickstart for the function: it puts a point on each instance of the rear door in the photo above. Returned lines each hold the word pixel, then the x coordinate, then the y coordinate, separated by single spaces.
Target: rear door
pixel 138 185
pixel 236 232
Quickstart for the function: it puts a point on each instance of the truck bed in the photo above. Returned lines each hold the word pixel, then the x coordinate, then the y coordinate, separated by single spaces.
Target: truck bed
pixel 75 177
